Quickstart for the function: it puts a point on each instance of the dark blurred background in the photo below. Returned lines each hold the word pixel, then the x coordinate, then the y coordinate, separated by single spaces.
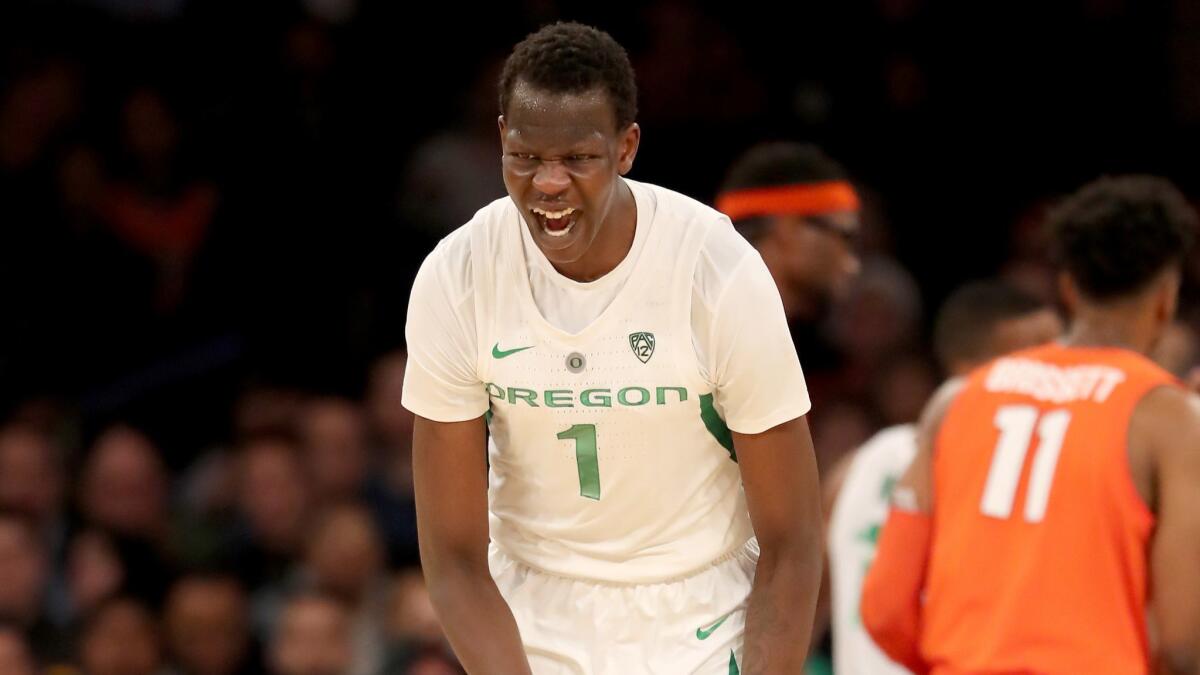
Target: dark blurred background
pixel 211 212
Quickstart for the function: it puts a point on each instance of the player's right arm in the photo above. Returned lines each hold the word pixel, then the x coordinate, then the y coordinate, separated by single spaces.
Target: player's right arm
pixel 450 479
pixel 1166 425
pixel 443 389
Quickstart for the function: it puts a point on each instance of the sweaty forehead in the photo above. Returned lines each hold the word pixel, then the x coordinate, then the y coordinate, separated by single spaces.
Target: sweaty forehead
pixel 539 114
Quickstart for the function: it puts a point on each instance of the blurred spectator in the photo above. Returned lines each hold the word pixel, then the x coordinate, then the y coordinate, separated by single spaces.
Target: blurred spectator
pixel 273 502
pixel 1028 267
pixel 334 438
pixel 273 495
pixel 839 427
pixel 416 642
pixel 902 386
pixel 391 423
pixel 124 486
pixel 458 168
pixel 390 490
pixel 206 622
pixel 33 110
pixel 24 575
pixel 313 637
pixel 210 487
pixel 31 479
pixel 123 490
pixel 16 657
pixel 346 560
pixel 158 212
pixel 880 317
pixel 121 638
pixel 80 189
pixel 94 571
pixel 411 617
pixel 264 409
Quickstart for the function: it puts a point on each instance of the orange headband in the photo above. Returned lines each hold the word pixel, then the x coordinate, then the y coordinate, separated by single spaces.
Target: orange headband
pixel 804 199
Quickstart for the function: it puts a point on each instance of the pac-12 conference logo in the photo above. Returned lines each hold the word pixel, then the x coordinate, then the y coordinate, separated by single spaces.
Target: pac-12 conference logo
pixel 643 345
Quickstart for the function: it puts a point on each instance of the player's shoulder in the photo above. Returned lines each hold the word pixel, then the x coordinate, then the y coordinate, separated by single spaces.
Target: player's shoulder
pixel 939 406
pixel 1163 438
pixel 672 202
pixel 721 249
pixel 685 215
pixel 1167 411
pixel 450 265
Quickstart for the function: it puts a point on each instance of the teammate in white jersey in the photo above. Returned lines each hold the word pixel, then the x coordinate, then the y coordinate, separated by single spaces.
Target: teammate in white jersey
pixel 978 322
pixel 649 486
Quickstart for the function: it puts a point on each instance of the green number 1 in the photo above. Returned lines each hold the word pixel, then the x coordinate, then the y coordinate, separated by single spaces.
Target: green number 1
pixel 584 436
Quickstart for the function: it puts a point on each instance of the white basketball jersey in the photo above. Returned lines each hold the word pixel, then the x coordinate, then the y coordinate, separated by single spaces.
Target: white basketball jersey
pixel 858 516
pixel 610 451
pixel 608 458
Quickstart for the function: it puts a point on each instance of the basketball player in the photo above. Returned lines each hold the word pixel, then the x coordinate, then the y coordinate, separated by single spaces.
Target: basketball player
pixel 797 207
pixel 1054 487
pixel 978 322
pixel 649 486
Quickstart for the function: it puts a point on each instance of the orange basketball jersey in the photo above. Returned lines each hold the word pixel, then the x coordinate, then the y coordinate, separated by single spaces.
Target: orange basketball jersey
pixel 1039 556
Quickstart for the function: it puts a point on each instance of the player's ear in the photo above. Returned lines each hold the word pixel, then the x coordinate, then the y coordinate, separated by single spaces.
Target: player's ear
pixel 627 148
pixel 502 125
pixel 1069 292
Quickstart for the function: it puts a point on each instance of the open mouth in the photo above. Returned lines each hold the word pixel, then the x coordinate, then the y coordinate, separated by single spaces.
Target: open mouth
pixel 556 223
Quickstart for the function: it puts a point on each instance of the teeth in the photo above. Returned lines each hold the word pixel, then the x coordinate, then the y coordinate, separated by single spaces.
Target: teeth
pixel 555 215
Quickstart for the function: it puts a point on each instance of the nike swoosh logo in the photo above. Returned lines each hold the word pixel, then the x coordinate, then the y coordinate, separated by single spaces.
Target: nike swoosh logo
pixel 702 634
pixel 498 353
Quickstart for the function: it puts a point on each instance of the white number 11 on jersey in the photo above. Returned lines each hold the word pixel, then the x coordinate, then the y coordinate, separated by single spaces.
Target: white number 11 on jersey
pixel 1016 424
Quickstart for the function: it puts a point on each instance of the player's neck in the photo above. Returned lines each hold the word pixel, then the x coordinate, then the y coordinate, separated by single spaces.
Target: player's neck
pixel 1107 328
pixel 612 243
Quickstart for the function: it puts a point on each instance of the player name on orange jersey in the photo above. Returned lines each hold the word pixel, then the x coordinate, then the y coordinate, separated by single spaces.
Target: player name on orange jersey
pixel 1055 384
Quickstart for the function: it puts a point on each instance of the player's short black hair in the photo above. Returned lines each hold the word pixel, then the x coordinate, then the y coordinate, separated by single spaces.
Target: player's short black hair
pixel 778 163
pixel 571 58
pixel 781 163
pixel 971 313
pixel 1116 233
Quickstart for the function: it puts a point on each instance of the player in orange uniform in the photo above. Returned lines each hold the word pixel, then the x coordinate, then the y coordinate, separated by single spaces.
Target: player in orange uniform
pixel 1054 487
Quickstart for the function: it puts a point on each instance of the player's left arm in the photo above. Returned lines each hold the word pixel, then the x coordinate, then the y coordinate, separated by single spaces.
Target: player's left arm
pixel 779 472
pixel 760 392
